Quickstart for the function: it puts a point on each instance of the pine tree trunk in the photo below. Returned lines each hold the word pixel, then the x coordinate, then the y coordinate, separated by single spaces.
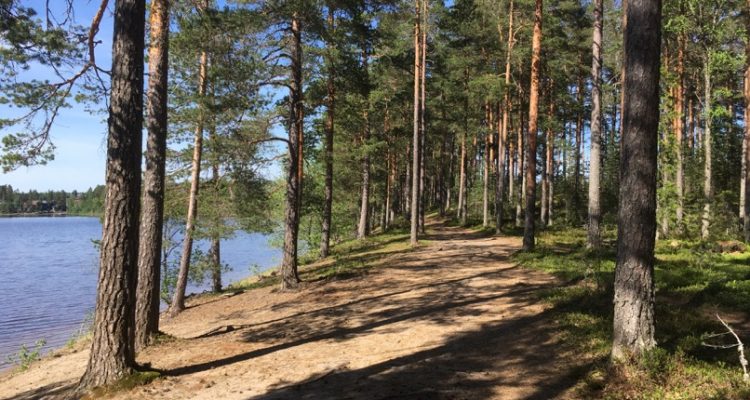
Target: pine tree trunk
pixel 152 209
pixel 461 211
pixel 595 213
pixel 746 142
pixel 289 276
pixel 215 255
pixel 325 238
pixel 415 195
pixel 634 275
pixel 536 45
pixel 579 143
pixel 707 183
pixel 679 131
pixel 549 168
pixel 503 132
pixel 422 107
pixel 486 171
pixel 178 299
pixel 521 154
pixel 362 229
pixel 112 355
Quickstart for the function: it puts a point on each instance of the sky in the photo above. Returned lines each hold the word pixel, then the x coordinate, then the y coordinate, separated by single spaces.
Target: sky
pixel 79 137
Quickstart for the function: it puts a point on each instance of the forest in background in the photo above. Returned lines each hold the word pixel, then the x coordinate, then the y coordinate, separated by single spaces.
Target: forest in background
pixel 527 114
pixel 13 202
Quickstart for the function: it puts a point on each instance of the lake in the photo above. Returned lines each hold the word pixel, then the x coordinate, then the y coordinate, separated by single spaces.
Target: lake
pixel 48 276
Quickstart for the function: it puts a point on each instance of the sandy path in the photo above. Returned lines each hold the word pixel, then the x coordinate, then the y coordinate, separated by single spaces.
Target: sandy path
pixel 450 320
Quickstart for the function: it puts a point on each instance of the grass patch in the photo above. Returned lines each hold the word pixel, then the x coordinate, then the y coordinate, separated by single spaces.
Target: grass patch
pixel 692 281
pixel 346 259
pixel 135 379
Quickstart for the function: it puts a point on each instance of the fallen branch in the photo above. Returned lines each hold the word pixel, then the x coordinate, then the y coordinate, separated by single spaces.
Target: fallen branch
pixel 739 345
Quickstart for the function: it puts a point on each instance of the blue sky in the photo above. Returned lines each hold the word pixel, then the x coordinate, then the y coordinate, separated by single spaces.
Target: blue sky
pixel 79 136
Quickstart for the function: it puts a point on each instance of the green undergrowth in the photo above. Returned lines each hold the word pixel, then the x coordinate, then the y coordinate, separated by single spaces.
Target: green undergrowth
pixel 346 259
pixel 694 281
pixel 133 380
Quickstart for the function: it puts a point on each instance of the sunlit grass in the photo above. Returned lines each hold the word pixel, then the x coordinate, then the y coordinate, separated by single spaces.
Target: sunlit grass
pixel 693 280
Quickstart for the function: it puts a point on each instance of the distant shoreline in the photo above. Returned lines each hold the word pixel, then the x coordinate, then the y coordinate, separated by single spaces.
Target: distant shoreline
pixel 49 214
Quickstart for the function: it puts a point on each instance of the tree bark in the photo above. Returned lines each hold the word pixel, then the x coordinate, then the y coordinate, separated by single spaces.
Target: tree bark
pixel 289 275
pixel 595 213
pixel 178 299
pixel 707 170
pixel 579 143
pixel 634 273
pixel 503 131
pixel 362 229
pixel 325 239
pixel 679 128
pixel 486 170
pixel 422 108
pixel 152 209
pixel 536 44
pixel 549 161
pixel 746 154
pixel 415 195
pixel 112 355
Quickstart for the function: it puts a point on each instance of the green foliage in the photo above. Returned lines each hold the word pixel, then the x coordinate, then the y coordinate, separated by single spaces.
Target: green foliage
pixel 692 281
pixel 33 202
pixel 26 355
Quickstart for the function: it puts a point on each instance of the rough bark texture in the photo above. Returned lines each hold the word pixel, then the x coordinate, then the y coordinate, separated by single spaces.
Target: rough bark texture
pixel 634 275
pixel 289 276
pixel 178 300
pixel 152 209
pixel 325 238
pixel 415 195
pixel 530 188
pixel 595 213
pixel 707 147
pixel 112 355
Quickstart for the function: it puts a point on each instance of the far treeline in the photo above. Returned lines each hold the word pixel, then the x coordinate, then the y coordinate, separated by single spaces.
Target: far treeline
pixel 510 113
pixel 13 202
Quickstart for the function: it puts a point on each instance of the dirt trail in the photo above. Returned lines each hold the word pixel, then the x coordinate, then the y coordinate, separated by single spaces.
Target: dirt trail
pixel 453 319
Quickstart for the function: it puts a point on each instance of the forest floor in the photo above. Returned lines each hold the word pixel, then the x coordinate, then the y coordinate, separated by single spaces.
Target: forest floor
pixel 454 318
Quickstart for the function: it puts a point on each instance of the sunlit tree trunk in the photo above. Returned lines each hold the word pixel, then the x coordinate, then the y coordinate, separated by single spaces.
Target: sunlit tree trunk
pixel 289 275
pixel 595 213
pixel 530 189
pixel 325 238
pixel 178 299
pixel 707 146
pixel 503 130
pixel 422 108
pixel 633 328
pixel 112 355
pixel 415 194
pixel 363 227
pixel 679 129
pixel 152 209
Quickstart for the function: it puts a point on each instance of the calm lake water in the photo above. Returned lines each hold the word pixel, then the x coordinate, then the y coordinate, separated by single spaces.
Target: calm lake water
pixel 48 274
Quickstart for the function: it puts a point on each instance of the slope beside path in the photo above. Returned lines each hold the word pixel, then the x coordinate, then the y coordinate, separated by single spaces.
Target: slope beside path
pixel 452 319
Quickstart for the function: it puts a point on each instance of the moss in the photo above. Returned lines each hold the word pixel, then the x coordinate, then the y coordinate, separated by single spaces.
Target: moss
pixel 133 380
pixel 690 279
